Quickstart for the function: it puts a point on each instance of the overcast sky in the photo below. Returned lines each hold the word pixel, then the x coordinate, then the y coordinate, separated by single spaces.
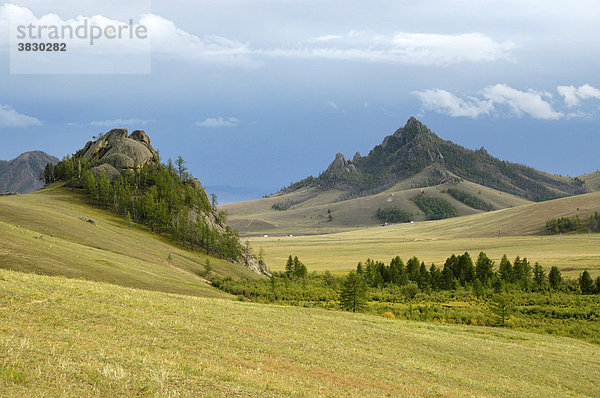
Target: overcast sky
pixel 260 93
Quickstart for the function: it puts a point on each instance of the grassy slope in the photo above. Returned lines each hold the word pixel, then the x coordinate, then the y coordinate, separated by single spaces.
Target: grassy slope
pixel 310 217
pixel 592 181
pixel 434 241
pixel 157 344
pixel 41 232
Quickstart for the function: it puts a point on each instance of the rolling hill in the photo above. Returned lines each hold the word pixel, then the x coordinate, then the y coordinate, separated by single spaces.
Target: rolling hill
pixel 64 337
pixel 22 174
pixel 410 162
pixel 47 232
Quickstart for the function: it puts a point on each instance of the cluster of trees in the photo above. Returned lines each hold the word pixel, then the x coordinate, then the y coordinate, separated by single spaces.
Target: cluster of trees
pixel 164 197
pixel 393 215
pixel 294 268
pixel 570 224
pixel 470 200
pixel 435 208
pixel 461 271
pixel 587 285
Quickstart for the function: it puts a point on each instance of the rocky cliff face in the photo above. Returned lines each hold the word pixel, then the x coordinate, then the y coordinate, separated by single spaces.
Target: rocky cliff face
pixel 116 151
pixel 21 175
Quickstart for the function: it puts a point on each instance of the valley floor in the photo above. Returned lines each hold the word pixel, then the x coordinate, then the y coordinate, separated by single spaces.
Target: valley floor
pixel 67 337
pixel 341 252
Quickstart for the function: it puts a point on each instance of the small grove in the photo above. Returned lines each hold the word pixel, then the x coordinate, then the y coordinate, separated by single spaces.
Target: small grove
pixel 572 224
pixel 514 294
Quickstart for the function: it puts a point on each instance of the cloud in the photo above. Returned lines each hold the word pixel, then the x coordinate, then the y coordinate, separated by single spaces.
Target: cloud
pixel 215 122
pixel 445 102
pixel 171 42
pixel 119 122
pixel 11 118
pixel 529 102
pixel 519 102
pixel 426 49
pixel 573 95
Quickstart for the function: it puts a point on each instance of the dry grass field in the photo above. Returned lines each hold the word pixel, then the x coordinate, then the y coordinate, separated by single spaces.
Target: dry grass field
pixel 66 337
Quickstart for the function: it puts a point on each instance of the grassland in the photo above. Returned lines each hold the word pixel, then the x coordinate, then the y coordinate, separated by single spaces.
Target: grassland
pixel 509 231
pixel 42 232
pixel 66 337
pixel 592 181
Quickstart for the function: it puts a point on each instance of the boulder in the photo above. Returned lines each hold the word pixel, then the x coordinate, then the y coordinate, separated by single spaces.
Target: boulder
pixel 140 135
pixel 115 135
pixel 119 161
pixel 110 171
pixel 135 150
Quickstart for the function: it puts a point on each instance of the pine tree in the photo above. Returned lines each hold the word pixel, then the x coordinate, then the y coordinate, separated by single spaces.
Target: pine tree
pixel 105 191
pixel 586 284
pixel 554 277
pixel 181 169
pixel 289 266
pixel 484 269
pixel 501 306
pixel 505 269
pixel 539 276
pixel 354 293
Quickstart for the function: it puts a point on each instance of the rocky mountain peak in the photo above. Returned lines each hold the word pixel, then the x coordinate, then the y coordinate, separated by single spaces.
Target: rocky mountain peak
pixel 117 151
pixel 340 165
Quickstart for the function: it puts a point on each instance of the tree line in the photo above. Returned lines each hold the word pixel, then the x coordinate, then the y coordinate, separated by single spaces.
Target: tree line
pixel 570 224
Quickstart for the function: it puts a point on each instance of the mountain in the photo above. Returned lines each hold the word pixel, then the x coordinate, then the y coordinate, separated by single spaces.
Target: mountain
pixel 122 172
pixel 410 163
pixel 21 175
pixel 413 148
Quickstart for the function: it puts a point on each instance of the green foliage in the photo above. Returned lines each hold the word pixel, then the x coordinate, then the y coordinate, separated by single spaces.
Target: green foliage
pixel 562 225
pixel 586 284
pixel 393 215
pixel 501 306
pixel 539 276
pixel 571 224
pixel 435 208
pixel 353 296
pixel 554 278
pixel 470 200
pixel 166 199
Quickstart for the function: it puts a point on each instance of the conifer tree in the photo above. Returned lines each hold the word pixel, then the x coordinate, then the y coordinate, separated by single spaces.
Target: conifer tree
pixel 354 293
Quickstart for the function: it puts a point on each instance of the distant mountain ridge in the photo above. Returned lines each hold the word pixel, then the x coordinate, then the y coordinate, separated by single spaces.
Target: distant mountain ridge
pixel 21 174
pixel 413 148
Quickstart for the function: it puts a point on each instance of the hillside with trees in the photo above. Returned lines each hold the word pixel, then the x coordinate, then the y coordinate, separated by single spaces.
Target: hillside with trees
pixel 124 174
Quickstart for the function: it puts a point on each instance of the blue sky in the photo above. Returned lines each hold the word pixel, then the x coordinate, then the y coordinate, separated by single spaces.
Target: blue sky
pixel 260 93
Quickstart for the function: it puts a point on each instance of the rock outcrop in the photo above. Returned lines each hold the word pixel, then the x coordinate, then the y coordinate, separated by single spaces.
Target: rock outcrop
pixel 341 166
pixel 116 151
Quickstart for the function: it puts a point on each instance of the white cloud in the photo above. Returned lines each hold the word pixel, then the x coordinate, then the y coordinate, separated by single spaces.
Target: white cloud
pixel 519 102
pixel 401 48
pixel 119 122
pixel 445 102
pixel 530 102
pixel 11 118
pixel 325 38
pixel 171 42
pixel 215 122
pixel 573 95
